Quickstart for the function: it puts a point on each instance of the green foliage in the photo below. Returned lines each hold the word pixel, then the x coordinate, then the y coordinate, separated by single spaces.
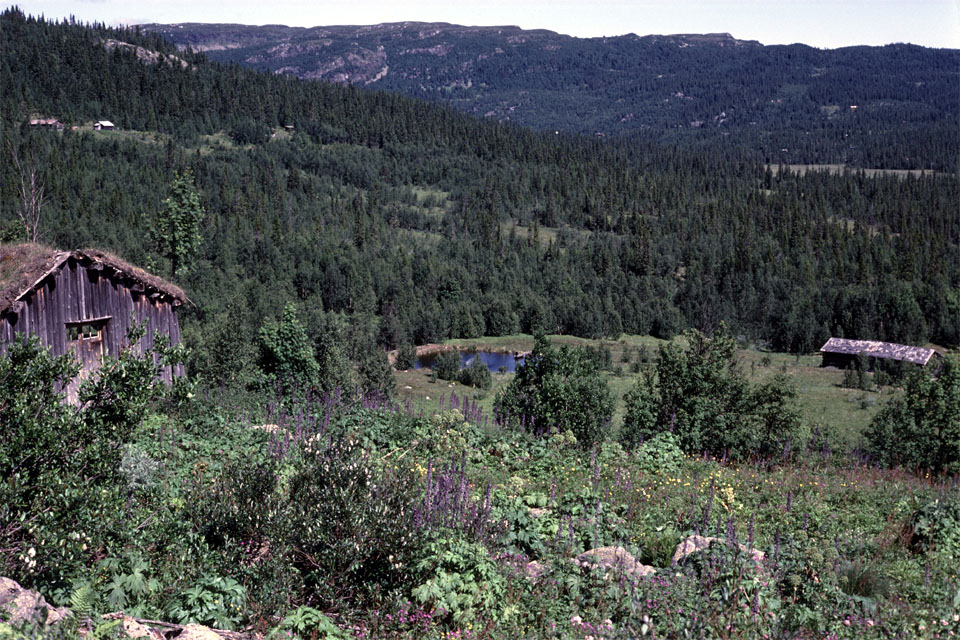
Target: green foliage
pixel 60 466
pixel 642 413
pixel 176 229
pixel 936 526
pixel 307 622
pixel 36 437
pixel 699 395
pixel 116 399
pixel 286 357
pixel 855 376
pixel 660 454
pixel 477 374
pixel 406 357
pixel 128 583
pixel 561 389
pixel 351 525
pixel 213 601
pixel 861 578
pixel 463 580
pixel 447 364
pixel 524 533
pixel 921 429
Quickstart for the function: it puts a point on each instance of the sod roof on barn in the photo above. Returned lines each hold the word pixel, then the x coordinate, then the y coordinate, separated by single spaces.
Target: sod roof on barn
pixel 876 349
pixel 24 266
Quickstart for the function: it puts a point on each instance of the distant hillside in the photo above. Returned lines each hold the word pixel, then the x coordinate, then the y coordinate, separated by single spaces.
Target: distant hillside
pixel 408 222
pixel 886 107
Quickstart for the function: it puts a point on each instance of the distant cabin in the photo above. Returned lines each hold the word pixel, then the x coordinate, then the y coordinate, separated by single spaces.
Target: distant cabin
pixel 82 302
pixel 841 353
pixel 104 125
pixel 46 123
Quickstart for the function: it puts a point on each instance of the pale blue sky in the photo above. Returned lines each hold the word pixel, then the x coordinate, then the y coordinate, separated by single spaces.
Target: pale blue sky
pixel 820 23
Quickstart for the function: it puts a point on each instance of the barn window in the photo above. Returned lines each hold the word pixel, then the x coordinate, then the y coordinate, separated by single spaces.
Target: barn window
pixel 86 331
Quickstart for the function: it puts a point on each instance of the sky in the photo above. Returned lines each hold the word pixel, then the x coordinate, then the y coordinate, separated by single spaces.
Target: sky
pixel 819 23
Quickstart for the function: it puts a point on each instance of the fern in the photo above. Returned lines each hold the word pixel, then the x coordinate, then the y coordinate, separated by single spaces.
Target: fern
pixel 81 601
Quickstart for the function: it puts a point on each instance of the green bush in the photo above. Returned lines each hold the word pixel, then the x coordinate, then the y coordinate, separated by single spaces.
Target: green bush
pixel 406 357
pixel 447 365
pixel 660 454
pixel 462 580
pixel 60 467
pixel 476 375
pixel 213 601
pixel 285 353
pixel 936 526
pixel 350 524
pixel 558 388
pixel 921 429
pixel 307 622
pixel 699 395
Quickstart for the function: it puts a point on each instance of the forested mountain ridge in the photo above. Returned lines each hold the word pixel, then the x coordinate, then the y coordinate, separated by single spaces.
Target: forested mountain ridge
pixel 389 220
pixel 894 106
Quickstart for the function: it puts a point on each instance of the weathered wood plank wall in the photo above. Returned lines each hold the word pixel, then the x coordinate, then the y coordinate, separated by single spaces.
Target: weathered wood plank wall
pixel 78 293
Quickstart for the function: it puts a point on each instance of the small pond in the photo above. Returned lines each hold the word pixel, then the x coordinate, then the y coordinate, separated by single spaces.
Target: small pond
pixel 493 359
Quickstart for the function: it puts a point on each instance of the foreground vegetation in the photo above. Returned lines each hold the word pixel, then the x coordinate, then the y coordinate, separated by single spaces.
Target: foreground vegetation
pixel 345 516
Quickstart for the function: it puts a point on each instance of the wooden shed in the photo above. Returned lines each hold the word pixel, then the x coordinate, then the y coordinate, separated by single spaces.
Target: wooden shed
pixel 46 123
pixel 841 353
pixel 82 302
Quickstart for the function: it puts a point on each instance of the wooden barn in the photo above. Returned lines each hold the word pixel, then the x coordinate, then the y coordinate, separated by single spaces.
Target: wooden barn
pixel 841 353
pixel 82 302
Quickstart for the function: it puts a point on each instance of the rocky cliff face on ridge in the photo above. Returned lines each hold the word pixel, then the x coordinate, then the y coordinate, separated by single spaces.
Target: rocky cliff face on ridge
pixel 660 84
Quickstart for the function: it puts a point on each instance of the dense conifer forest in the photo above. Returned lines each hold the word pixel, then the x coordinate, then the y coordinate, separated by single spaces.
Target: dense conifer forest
pixel 892 107
pixel 410 222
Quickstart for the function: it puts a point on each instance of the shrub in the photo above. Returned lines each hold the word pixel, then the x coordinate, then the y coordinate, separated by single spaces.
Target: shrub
pixel 447 364
pixel 351 525
pixel 286 356
pixel 861 578
pixel 214 601
pixel 406 357
pixel 307 622
pixel 463 579
pixel 922 428
pixel 558 388
pixel 59 466
pixel 476 375
pixel 660 454
pixel 936 526
pixel 700 395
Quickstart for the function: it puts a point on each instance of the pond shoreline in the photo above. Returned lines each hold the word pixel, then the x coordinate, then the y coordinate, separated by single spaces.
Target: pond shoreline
pixel 434 348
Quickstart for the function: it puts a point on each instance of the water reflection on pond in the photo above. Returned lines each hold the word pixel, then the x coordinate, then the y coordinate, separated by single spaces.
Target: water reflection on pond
pixel 495 360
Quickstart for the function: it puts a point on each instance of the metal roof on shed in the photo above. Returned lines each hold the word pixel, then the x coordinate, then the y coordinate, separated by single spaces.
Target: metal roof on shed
pixel 876 349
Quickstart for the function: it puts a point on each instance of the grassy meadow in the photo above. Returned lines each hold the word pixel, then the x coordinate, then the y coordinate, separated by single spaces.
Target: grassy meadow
pixel 823 404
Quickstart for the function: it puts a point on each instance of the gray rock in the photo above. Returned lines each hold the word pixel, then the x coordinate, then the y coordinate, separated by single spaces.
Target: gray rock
pixel 533 570
pixel 198 632
pixel 23 606
pixel 694 544
pixel 615 559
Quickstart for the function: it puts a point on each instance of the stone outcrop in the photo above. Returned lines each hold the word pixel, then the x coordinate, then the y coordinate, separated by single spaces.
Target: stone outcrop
pixel 693 544
pixel 615 559
pixel 19 606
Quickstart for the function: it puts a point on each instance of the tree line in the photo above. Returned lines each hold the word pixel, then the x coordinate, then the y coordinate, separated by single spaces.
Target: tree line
pixel 399 222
